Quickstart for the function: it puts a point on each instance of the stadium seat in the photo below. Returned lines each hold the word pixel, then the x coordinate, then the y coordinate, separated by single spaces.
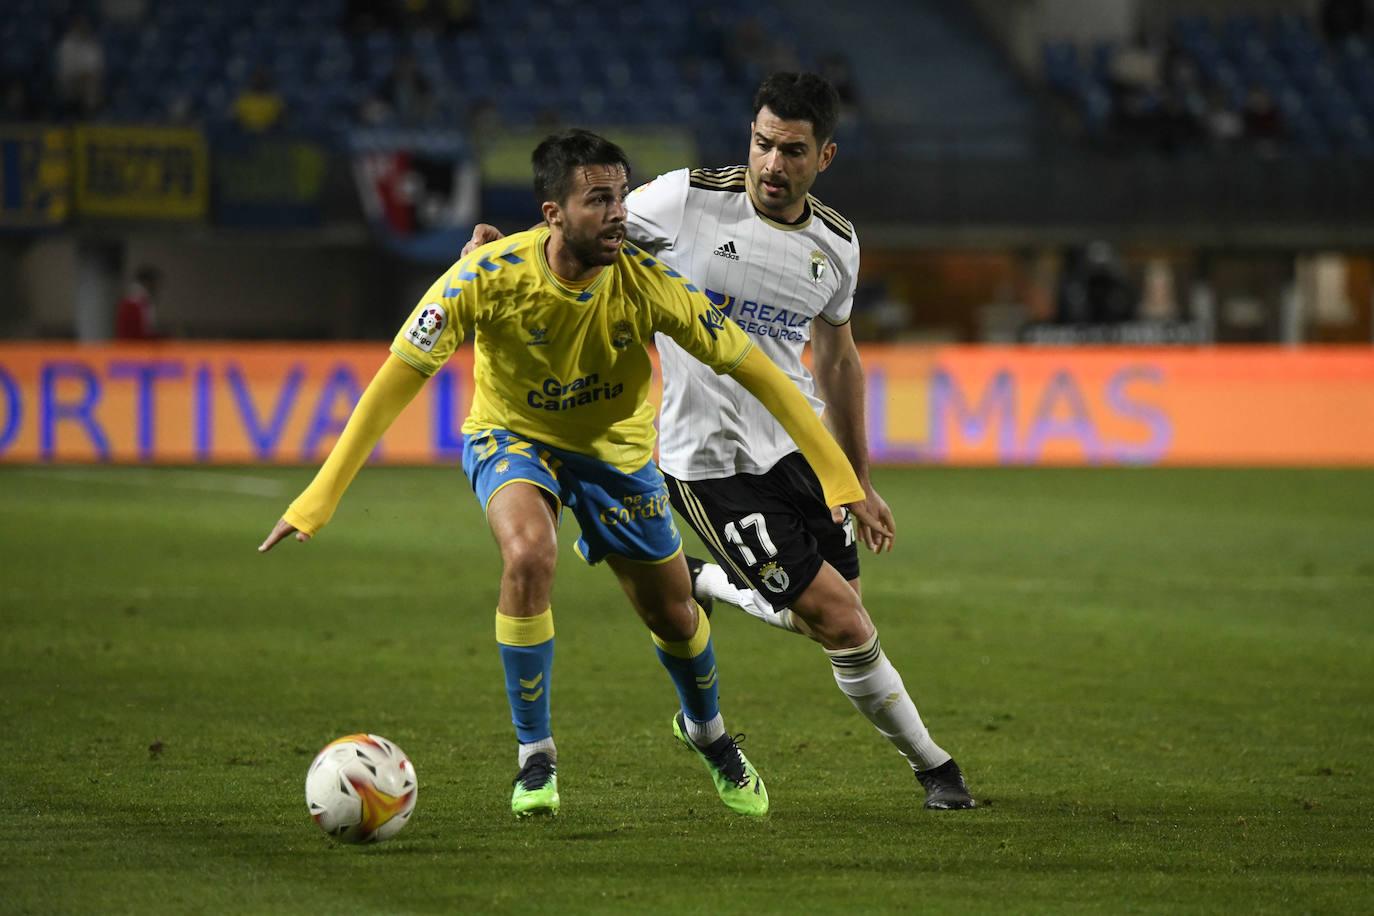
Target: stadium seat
pixel 660 61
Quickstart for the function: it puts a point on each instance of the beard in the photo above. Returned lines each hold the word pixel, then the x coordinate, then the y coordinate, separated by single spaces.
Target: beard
pixel 591 249
pixel 775 201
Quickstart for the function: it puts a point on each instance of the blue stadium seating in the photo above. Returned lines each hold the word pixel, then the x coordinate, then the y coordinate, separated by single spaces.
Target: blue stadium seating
pixel 1324 93
pixel 196 56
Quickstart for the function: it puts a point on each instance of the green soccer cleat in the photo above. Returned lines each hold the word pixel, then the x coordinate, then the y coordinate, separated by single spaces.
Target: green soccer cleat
pixel 737 782
pixel 536 787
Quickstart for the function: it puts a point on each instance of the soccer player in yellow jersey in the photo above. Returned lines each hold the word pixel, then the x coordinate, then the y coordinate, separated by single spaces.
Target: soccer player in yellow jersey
pixel 784 267
pixel 560 417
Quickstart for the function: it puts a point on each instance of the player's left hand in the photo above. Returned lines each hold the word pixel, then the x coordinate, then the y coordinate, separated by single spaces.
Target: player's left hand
pixel 873 522
pixel 280 531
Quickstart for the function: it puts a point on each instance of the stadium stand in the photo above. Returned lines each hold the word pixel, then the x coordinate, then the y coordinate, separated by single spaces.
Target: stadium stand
pixel 184 61
pixel 936 86
pixel 1273 84
pixel 1289 88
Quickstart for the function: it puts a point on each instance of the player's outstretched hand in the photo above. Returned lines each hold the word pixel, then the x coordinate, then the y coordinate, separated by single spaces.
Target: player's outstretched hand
pixel 281 530
pixel 878 537
pixel 873 522
pixel 481 234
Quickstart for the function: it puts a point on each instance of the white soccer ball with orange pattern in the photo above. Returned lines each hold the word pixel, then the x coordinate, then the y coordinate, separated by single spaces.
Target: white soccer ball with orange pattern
pixel 361 789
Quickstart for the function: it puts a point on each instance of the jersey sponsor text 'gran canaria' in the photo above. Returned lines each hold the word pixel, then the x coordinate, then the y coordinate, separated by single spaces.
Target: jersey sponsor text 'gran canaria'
pixel 559 362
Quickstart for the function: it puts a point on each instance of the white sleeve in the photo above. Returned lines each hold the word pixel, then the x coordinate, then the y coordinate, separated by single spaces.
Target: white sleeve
pixel 654 211
pixel 837 310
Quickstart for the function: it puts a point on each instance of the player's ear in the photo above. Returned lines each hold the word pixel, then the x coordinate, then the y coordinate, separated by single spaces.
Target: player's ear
pixel 553 214
pixel 827 156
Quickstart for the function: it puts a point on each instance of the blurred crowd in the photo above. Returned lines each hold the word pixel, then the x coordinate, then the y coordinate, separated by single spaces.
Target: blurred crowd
pixel 1291 84
pixel 332 65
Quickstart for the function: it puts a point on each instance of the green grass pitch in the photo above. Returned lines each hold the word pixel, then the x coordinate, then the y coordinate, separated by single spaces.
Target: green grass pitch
pixel 1159 682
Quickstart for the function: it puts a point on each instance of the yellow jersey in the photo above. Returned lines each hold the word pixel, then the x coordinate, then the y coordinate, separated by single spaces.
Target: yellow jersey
pixel 562 363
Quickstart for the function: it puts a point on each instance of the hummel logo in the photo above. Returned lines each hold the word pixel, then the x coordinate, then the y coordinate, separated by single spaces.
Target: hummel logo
pixel 537 336
pixel 727 251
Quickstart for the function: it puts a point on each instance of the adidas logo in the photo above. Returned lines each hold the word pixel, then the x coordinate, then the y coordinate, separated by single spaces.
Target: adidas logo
pixel 727 251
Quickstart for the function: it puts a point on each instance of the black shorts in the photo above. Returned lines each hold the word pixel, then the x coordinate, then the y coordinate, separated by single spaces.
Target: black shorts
pixel 770 532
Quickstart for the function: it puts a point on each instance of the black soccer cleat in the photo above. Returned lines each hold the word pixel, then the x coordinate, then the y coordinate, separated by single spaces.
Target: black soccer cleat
pixel 694 568
pixel 945 787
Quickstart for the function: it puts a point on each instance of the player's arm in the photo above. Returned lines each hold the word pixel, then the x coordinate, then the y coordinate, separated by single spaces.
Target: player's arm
pixel 391 389
pixel 840 485
pixel 839 375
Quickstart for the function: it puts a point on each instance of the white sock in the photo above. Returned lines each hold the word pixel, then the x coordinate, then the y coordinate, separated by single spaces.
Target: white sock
pixel 542 746
pixel 875 688
pixel 712 582
pixel 703 733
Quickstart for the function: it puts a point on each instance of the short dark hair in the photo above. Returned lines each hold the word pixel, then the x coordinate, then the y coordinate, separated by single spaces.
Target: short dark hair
pixel 559 155
pixel 801 97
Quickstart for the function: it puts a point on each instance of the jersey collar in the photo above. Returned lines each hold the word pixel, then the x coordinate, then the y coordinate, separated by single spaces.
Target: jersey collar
pixel 578 293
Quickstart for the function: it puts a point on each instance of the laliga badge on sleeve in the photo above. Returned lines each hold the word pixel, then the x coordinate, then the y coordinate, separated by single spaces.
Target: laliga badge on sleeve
pixel 424 331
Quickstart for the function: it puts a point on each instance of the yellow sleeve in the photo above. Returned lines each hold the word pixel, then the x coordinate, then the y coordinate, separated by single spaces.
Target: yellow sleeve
pixel 767 382
pixel 391 389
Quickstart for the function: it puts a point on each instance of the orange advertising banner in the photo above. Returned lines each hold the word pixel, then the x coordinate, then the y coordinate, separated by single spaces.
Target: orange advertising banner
pixel 1215 406
pixel 185 403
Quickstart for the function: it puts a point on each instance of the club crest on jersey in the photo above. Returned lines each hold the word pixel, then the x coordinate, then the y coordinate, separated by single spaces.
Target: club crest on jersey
pixel 774 577
pixel 818 266
pixel 424 331
pixel 502 466
pixel 622 335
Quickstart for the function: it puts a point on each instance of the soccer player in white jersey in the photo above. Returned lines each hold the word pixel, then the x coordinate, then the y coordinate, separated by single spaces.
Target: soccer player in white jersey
pixel 783 266
pixel 560 417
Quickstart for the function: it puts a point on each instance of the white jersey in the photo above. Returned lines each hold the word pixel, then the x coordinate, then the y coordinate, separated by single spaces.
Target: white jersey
pixel 773 279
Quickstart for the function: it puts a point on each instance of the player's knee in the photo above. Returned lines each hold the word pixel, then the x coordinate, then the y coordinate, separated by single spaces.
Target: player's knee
pixel 857 631
pixel 839 623
pixel 674 621
pixel 529 560
pixel 843 631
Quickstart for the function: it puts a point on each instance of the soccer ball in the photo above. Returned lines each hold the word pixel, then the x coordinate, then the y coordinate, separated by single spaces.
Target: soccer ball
pixel 361 789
